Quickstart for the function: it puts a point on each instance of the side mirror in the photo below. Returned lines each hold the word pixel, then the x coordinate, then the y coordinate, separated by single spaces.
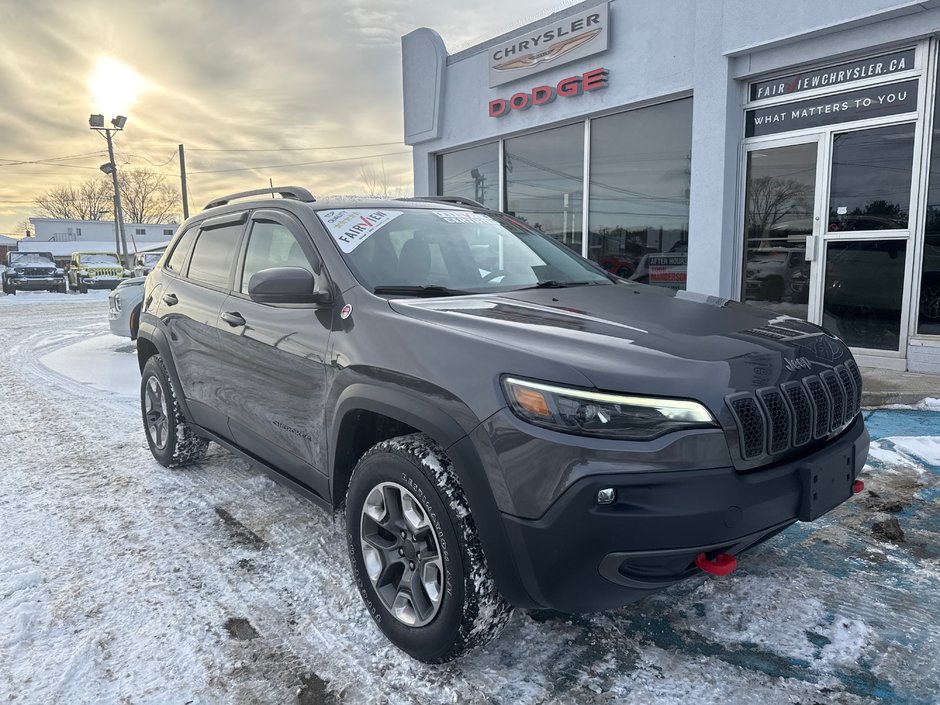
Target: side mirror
pixel 286 285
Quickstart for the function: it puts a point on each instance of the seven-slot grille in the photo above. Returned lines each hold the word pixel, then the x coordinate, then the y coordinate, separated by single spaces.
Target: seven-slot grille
pixel 776 419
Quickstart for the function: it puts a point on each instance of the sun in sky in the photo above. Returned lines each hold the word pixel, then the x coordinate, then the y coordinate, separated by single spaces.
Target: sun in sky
pixel 114 86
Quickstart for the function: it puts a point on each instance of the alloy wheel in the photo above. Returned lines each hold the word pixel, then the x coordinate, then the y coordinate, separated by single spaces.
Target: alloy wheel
pixel 401 553
pixel 158 425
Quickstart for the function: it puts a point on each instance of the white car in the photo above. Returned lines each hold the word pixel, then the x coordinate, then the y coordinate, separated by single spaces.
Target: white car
pixel 124 307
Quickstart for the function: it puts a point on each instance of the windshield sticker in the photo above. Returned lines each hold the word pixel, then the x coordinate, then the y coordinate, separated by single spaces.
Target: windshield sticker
pixel 463 217
pixel 350 228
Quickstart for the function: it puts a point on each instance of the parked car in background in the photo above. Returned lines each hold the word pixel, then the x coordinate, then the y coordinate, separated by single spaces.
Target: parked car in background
pixel 95 270
pixel 144 262
pixel 618 264
pixel 124 307
pixel 32 271
pixel 777 274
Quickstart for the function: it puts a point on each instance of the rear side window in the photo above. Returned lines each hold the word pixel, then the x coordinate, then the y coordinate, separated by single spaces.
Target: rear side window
pixel 271 245
pixel 213 255
pixel 183 245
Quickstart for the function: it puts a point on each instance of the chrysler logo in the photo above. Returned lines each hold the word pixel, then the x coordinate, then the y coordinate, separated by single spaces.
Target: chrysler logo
pixel 550 54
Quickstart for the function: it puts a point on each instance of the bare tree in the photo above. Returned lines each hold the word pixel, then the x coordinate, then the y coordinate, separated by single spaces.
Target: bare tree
pixel 770 200
pixel 375 182
pixel 146 197
pixel 89 200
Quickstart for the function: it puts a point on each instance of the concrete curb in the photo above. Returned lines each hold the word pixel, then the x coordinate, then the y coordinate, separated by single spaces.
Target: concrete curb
pixel 882 387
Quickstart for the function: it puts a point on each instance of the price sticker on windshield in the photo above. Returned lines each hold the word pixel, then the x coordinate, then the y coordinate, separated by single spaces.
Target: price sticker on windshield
pixel 463 217
pixel 351 227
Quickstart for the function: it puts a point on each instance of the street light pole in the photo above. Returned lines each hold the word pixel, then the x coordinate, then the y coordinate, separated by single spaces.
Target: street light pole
pixel 96 123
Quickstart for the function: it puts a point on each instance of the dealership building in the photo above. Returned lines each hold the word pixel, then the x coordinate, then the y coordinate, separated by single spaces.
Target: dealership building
pixel 784 154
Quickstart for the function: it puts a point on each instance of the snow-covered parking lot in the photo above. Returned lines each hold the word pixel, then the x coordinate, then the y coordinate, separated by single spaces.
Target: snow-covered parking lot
pixel 124 582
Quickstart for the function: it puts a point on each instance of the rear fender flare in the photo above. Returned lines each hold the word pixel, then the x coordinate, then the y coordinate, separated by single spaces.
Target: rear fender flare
pixel 150 331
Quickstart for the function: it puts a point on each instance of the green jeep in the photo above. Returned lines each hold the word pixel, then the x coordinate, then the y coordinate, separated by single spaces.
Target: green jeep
pixel 95 270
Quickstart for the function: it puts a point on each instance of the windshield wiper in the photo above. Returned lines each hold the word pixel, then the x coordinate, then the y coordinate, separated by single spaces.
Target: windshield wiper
pixel 555 284
pixel 407 290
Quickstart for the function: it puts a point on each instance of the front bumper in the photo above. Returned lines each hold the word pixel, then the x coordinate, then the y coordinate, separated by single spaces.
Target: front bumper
pixel 581 557
pixel 101 282
pixel 35 283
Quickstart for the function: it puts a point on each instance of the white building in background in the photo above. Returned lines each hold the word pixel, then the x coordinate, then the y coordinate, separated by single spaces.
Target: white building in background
pixel 87 231
pixel 785 154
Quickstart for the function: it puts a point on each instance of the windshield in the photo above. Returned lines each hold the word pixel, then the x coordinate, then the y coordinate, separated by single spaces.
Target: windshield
pixel 461 251
pixel 20 258
pixel 104 258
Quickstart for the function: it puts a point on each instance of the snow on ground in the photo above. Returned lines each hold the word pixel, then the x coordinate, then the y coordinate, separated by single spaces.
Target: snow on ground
pixel 122 581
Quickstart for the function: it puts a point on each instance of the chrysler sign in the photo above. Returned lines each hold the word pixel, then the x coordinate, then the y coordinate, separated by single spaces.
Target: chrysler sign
pixel 549 45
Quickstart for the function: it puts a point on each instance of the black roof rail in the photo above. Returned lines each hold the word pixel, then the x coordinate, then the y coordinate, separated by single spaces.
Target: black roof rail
pixel 459 200
pixel 297 193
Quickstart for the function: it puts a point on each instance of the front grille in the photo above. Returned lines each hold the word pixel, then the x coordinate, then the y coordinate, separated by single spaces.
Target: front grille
pixel 778 419
pixel 38 272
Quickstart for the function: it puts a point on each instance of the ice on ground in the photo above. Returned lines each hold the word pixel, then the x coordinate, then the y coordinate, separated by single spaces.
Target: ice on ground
pixel 118 577
pixel 105 362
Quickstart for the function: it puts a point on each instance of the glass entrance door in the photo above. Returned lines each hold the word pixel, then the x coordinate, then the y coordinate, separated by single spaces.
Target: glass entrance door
pixel 866 240
pixel 826 231
pixel 780 213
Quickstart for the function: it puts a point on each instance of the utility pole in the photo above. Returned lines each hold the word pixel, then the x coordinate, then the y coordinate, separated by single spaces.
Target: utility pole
pixel 183 183
pixel 96 123
pixel 119 211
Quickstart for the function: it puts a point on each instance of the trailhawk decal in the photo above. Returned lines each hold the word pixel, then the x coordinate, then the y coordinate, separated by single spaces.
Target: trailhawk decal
pixel 350 227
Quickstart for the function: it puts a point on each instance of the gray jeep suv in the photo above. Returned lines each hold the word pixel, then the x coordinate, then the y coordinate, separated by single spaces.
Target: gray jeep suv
pixel 505 423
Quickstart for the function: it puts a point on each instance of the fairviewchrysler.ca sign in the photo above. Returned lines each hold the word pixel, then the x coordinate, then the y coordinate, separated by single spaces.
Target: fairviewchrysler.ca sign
pixel 548 45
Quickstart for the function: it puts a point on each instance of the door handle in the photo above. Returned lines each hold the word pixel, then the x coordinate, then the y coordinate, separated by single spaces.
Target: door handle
pixel 234 319
pixel 170 299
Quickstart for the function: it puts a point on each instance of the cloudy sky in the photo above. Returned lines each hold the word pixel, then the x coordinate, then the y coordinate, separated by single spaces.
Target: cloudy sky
pixel 218 75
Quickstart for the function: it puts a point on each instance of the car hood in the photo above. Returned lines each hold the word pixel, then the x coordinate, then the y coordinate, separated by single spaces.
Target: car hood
pixel 637 338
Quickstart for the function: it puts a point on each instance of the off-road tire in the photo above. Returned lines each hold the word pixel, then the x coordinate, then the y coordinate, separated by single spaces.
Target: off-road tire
pixel 82 287
pixel 181 445
pixel 62 288
pixel 471 610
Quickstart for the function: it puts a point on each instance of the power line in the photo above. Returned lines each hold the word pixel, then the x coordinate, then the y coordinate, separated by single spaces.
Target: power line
pixel 137 156
pixel 283 166
pixel 18 162
pixel 293 149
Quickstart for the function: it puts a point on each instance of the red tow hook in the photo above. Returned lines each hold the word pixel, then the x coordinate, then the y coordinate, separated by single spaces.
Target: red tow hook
pixel 857 486
pixel 722 564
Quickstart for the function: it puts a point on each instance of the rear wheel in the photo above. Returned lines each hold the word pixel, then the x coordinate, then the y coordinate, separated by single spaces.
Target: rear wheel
pixel 415 552
pixel 172 440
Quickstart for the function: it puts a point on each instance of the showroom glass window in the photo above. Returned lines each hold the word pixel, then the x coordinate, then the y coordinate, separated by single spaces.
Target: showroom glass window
pixel 928 304
pixel 544 175
pixel 639 193
pixel 472 173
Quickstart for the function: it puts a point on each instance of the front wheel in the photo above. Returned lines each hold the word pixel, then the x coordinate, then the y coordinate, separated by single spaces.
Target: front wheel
pixel 172 440
pixel 415 553
pixel 82 287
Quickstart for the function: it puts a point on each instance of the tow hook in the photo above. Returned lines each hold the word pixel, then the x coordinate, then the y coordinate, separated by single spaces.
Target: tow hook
pixel 722 564
pixel 857 486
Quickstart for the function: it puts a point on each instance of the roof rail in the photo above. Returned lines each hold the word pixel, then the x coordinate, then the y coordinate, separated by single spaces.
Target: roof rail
pixel 297 193
pixel 458 200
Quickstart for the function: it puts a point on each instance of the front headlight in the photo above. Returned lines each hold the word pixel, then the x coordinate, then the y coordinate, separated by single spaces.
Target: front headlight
pixel 587 413
pixel 116 298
